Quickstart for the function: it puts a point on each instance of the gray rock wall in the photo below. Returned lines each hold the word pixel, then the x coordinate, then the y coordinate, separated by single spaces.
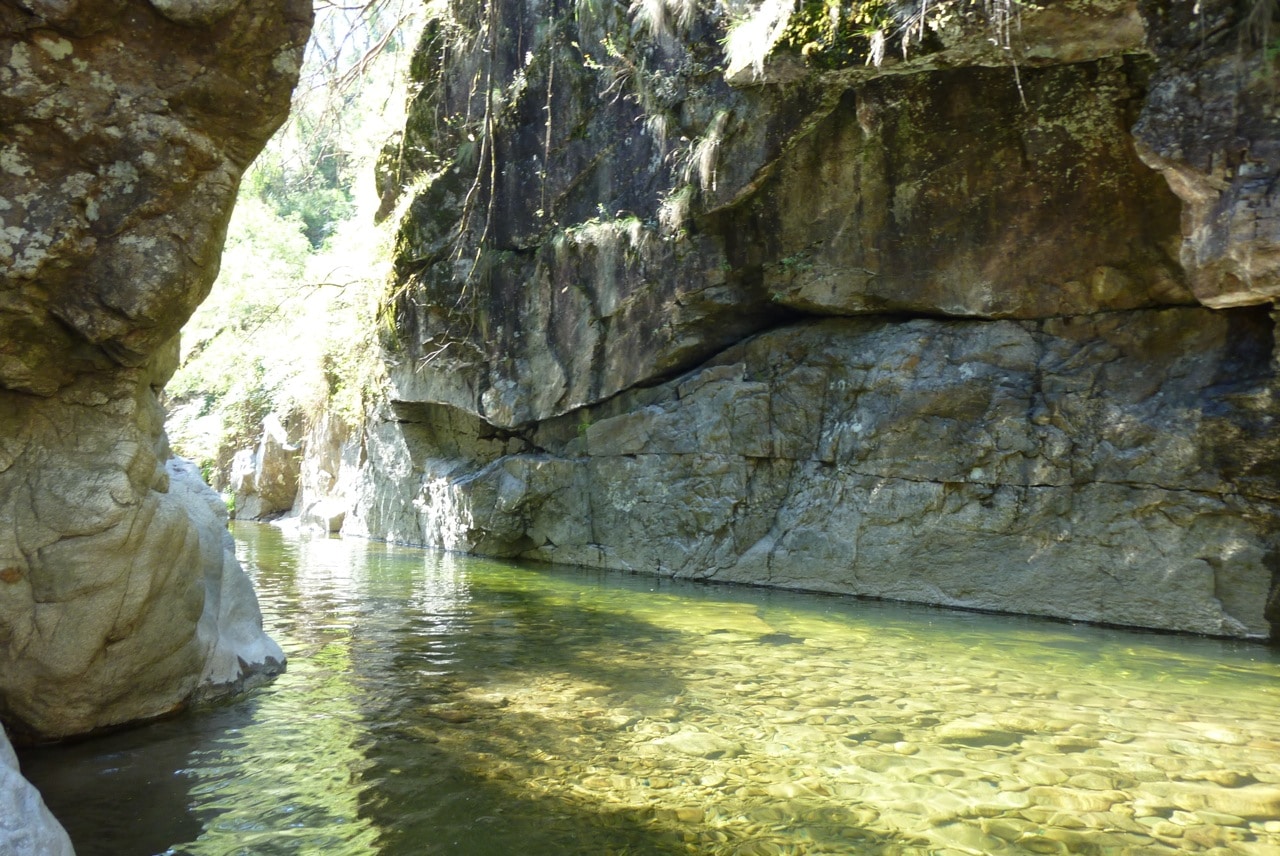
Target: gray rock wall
pixel 1086 468
pixel 934 331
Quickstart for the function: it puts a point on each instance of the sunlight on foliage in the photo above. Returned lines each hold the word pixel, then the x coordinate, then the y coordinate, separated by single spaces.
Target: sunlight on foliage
pixel 842 33
pixel 662 19
pixel 289 325
pixel 753 35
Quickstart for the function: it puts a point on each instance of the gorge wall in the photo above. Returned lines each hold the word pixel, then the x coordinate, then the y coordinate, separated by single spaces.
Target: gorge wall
pixel 987 324
pixel 124 128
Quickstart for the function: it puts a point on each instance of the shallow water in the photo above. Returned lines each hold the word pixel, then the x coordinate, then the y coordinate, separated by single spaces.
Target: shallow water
pixel 439 704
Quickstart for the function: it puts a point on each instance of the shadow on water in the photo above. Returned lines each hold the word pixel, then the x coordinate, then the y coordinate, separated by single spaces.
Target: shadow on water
pixel 451 761
pixel 123 793
pixel 438 704
pixel 427 709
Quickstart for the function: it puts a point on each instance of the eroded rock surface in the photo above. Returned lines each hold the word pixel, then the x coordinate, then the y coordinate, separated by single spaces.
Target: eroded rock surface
pixel 26 826
pixel 610 343
pixel 126 126
pixel 1211 126
pixel 264 480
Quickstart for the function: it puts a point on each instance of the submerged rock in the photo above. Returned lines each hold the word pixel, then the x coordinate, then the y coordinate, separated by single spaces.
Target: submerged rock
pixel 976 732
pixel 700 744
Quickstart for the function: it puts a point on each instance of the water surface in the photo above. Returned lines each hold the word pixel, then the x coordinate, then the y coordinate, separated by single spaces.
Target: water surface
pixel 441 704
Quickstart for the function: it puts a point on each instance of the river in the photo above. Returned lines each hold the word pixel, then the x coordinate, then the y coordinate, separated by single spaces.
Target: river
pixel 443 704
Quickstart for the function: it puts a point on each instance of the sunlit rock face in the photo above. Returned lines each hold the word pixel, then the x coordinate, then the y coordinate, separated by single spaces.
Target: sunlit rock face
pixel 929 330
pixel 264 480
pixel 125 127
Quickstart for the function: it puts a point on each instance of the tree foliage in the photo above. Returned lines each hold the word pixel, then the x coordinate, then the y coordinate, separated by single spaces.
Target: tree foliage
pixel 288 326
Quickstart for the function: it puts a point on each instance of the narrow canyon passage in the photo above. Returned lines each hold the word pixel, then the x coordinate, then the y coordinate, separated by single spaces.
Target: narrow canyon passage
pixel 964 304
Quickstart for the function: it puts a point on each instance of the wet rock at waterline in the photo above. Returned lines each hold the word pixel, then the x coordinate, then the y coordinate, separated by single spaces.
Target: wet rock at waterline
pixel 127 126
pixel 26 826
pixel 1104 469
pixel 237 652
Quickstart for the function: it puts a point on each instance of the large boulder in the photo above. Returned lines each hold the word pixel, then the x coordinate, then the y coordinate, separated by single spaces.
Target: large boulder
pixel 127 125
pixel 264 480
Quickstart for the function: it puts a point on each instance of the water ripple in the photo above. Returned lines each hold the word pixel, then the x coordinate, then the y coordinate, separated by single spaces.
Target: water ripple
pixel 439 704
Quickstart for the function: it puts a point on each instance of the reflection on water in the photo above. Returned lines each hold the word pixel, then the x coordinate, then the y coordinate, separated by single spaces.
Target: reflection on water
pixel 438 704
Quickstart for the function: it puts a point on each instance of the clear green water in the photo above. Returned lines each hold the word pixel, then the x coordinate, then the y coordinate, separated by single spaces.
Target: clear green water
pixel 438 704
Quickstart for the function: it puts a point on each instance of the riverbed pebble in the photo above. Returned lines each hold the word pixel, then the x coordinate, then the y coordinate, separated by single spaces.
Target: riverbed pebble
pixel 796 735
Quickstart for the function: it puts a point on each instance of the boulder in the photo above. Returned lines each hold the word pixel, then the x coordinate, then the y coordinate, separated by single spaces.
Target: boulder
pixel 121 592
pixel 127 126
pixel 265 481
pixel 325 516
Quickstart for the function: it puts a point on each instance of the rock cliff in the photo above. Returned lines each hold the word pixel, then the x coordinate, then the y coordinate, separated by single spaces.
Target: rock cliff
pixel 696 290
pixel 125 127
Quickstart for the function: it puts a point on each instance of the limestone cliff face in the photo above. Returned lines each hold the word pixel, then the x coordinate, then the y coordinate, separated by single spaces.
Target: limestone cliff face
pixel 124 128
pixel 942 330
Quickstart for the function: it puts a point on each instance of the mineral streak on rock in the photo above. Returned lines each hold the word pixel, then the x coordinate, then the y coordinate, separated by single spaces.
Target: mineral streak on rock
pixel 124 128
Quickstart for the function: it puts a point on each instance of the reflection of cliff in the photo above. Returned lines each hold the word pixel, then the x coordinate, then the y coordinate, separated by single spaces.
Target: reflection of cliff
pixel 936 330
pixel 126 126
pixel 239 774
pixel 286 764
